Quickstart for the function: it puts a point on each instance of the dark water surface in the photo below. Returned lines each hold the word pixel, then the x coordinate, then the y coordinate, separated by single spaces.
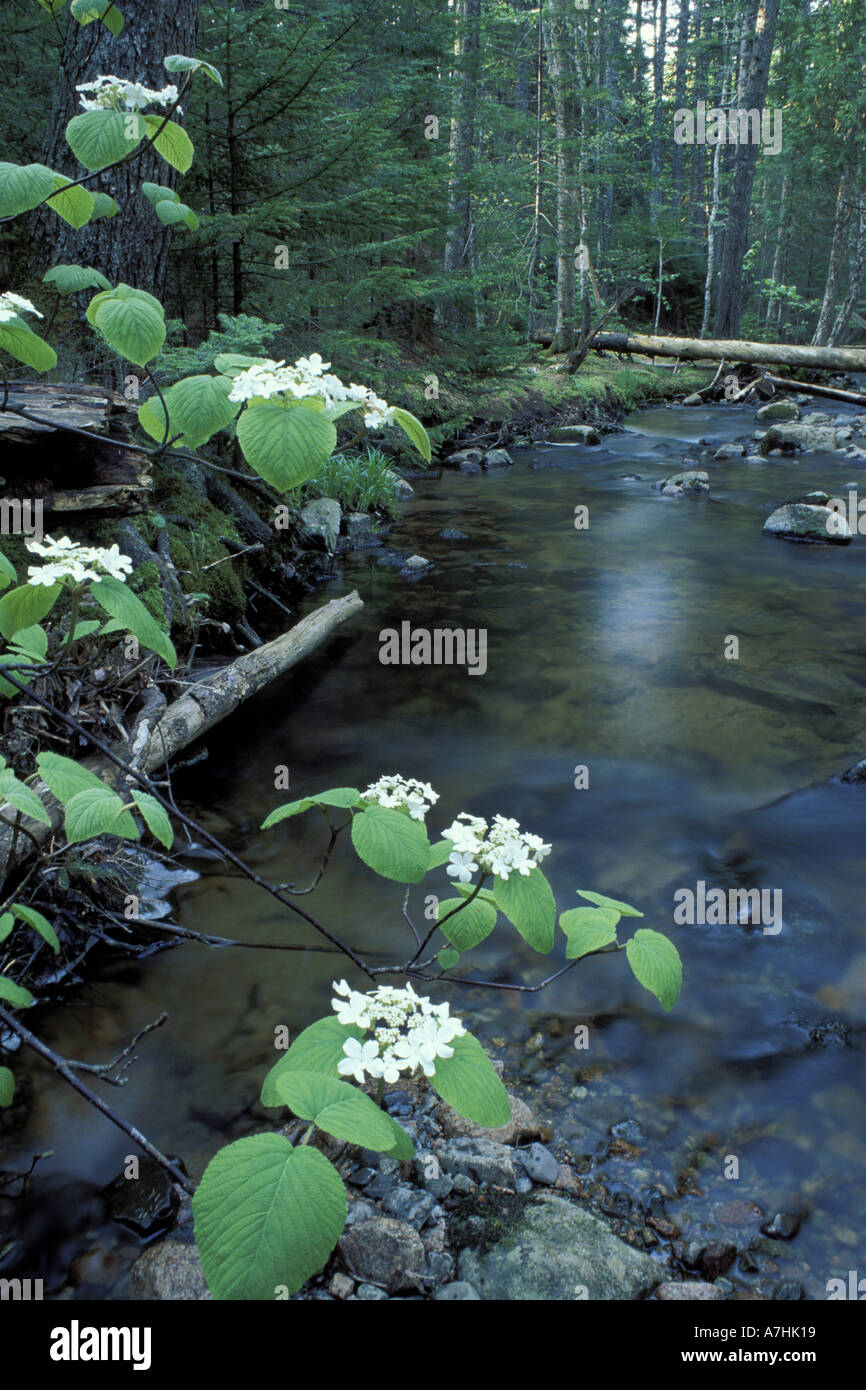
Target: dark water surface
pixel 606 649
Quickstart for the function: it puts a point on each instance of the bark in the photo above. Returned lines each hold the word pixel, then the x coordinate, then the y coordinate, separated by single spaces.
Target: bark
pixel 660 25
pixel 189 718
pixel 679 98
pixel 713 218
pixel 133 246
pixel 732 350
pixel 782 233
pixel 562 81
pixel 467 55
pixel 755 74
pixel 857 265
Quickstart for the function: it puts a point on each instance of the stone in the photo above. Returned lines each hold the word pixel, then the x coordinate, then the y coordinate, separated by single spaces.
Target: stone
pixel 693 399
pixel 692 480
pixel 540 1164
pixel 465 456
pixel 402 489
pixel 690 1292
pixel 800 521
pixel 482 1160
pixel 458 1292
pixel 341 1286
pixel 522 1125
pixel 440 1266
pixel 803 438
pixel 169 1270
pixel 779 410
pixel 452 534
pixel 359 1211
pixel 359 526
pixel 470 466
pixel 416 564
pixel 728 452
pixel 555 1249
pixel 783 1226
pixel 574 434
pixel 398 1103
pixel 322 518
pixel 146 1204
pixel 716 1260
pixel 370 1293
pixel 385 1252
pixel 855 774
pixel 408 1204
pixel 498 458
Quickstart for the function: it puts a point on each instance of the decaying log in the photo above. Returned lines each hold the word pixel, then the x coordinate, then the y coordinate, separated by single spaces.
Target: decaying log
pixel 696 349
pixel 204 705
pixel 832 393
pixel 44 458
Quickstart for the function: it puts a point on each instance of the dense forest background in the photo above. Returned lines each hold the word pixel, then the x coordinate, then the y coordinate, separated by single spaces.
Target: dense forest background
pixel 431 181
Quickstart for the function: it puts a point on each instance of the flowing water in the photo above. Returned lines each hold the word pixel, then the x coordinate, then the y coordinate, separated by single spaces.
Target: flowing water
pixel 606 650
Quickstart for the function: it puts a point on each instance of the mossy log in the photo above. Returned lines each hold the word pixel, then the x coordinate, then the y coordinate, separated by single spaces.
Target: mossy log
pixel 157 740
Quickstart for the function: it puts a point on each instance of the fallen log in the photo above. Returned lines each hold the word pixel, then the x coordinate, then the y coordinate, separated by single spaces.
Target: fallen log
pixel 695 349
pixel 832 393
pixel 206 703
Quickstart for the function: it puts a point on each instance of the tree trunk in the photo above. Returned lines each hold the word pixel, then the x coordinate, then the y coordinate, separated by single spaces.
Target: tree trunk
pixel 857 265
pixel 781 239
pixel 736 350
pixel 837 254
pixel 133 246
pixel 562 81
pixel 467 55
pixel 753 87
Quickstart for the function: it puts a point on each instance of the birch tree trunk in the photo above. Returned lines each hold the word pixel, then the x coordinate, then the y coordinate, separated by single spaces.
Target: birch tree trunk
pixel 467 56
pixel 841 221
pixel 562 81
pixel 856 267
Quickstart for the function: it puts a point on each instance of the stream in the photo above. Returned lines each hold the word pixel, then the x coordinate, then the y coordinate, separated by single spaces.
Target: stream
pixel 606 650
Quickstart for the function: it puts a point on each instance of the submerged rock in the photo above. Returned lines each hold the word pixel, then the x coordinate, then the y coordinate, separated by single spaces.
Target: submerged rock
pixel 807 439
pixel 403 489
pixel 801 521
pixel 779 410
pixel 574 434
pixel 464 456
pixel 555 1251
pixel 693 480
pixel 498 458
pixel 322 518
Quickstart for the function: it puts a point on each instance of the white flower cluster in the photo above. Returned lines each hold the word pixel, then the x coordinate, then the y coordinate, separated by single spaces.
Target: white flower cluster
pixel 397 792
pixel 12 304
pixel 113 92
pixel 408 1032
pixel 309 376
pixel 74 561
pixel 505 849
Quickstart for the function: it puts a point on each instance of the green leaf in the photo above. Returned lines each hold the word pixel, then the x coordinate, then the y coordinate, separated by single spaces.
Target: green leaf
pixel 103 206
pixel 448 958
pixel 52 6
pixel 656 964
pixel 467 889
pixel 26 346
pixel 415 431
pixel 233 363
pixel 100 138
pixel 39 924
pixel 70 279
pixel 21 797
pixel 468 1083
pixel 172 143
pixel 98 812
pixel 588 929
pixel 159 193
pixel 198 407
pixel 8 572
pixel 85 628
pixel 471 924
pixel 393 845
pixel 338 796
pixel 155 817
pixel 337 1108
pixel 176 62
pixel 131 321
pixel 64 777
pixel 26 605
pixel 73 204
pixel 528 902
pixel 285 447
pixel 7 922
pixel 33 641
pixel 170 213
pixel 13 994
pixel 7 1086
pixel 440 853
pixel 292 808
pixel 23 186
pixel 600 900
pixel 86 11
pixel 266 1215
pixel 318 1048
pixel 121 603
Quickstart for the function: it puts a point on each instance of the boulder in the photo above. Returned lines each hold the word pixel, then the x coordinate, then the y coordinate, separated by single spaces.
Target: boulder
pixel 498 458
pixel 385 1252
pixel 465 456
pixel 416 564
pixel 482 1160
pixel 522 1125
pixel 693 1291
pixel 170 1270
pixel 693 399
pixel 555 1251
pixel 802 438
pixel 800 521
pixel 359 527
pixel 574 434
pixel 779 410
pixel 726 452
pixel 693 480
pixel 322 518
pixel 402 489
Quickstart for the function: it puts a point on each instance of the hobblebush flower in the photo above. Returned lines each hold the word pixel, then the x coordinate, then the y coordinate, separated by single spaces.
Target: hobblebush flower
pixel 118 93
pixel 308 377
pixel 11 305
pixel 407 1032
pixel 500 849
pixel 399 793
pixel 70 560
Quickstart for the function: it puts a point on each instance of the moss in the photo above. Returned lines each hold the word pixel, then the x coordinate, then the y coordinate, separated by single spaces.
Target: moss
pixel 481 1219
pixel 144 581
